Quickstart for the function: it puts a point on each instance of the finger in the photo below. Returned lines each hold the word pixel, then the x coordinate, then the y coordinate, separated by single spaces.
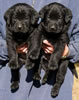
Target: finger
pixel 21 48
pixel 66 51
pixel 46 43
pixel 50 49
pixel 24 50
pixel 47 50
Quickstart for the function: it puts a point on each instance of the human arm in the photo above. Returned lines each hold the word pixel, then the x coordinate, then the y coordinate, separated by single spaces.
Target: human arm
pixel 74 43
pixel 3 49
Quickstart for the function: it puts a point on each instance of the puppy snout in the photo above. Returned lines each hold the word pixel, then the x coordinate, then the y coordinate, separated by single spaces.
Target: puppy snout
pixel 19 26
pixel 53 27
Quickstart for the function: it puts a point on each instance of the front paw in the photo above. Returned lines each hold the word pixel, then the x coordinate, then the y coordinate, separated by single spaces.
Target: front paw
pixel 37 77
pixel 13 64
pixel 14 86
pixel 53 66
pixel 44 80
pixel 29 64
pixel 34 55
pixel 55 91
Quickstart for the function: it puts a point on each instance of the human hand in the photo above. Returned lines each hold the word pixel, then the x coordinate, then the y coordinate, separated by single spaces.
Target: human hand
pixel 22 48
pixel 48 49
pixel 66 52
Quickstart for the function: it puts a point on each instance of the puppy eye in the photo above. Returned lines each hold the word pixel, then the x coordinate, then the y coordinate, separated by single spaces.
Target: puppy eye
pixel 26 18
pixel 60 17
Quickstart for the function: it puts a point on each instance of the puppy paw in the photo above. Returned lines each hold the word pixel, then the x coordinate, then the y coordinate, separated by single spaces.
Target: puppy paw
pixel 14 86
pixel 37 77
pixel 44 80
pixel 55 91
pixel 34 55
pixel 13 64
pixel 53 66
pixel 29 65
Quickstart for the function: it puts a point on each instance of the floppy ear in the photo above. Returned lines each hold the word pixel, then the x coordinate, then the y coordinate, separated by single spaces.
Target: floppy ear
pixel 68 15
pixel 34 17
pixel 8 15
pixel 43 11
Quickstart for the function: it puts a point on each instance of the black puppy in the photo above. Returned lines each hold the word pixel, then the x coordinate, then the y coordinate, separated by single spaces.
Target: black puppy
pixel 56 19
pixel 20 20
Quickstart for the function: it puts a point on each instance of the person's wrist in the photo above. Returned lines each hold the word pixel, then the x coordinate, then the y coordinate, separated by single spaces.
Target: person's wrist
pixel 66 52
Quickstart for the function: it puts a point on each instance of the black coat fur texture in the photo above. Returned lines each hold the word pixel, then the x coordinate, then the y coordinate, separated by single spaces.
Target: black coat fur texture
pixel 56 19
pixel 21 19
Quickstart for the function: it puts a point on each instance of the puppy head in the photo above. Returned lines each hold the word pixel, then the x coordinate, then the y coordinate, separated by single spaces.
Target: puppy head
pixel 20 17
pixel 54 17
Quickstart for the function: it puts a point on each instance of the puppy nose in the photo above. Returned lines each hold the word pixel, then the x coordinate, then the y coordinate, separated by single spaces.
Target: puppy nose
pixel 19 27
pixel 53 27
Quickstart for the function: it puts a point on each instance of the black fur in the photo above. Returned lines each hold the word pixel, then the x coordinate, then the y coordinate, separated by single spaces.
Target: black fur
pixel 54 26
pixel 21 20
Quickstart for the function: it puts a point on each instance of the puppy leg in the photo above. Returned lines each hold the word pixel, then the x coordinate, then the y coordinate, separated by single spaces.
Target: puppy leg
pixel 15 78
pixel 44 80
pixel 35 45
pixel 13 56
pixel 56 56
pixel 29 63
pixel 44 64
pixel 13 62
pixel 37 74
pixel 59 78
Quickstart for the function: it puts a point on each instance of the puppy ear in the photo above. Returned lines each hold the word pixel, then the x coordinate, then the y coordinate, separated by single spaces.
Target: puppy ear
pixel 68 15
pixel 43 11
pixel 34 17
pixel 8 15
